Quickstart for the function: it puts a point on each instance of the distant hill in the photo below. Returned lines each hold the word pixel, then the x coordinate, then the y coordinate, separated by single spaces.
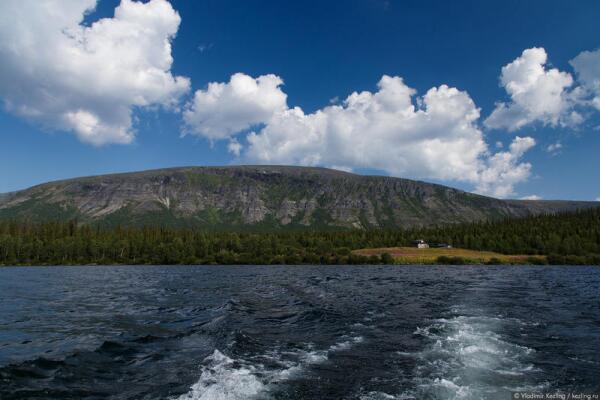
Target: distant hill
pixel 261 198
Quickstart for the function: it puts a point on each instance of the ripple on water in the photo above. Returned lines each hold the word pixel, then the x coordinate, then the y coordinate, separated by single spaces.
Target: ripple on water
pixel 290 332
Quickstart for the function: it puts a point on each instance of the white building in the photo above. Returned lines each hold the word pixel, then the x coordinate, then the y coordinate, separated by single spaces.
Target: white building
pixel 420 244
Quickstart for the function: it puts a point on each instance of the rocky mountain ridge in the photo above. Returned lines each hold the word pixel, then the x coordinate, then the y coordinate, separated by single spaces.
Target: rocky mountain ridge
pixel 261 197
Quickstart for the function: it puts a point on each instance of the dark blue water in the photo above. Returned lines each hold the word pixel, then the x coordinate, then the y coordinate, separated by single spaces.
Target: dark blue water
pixel 422 332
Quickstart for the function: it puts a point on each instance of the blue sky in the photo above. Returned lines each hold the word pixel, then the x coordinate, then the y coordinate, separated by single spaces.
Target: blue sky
pixel 313 55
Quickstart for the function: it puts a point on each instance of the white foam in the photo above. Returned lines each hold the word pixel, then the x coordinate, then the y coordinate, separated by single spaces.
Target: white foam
pixel 314 357
pixel 347 344
pixel 447 389
pixel 222 379
pixel 304 359
pixel 468 359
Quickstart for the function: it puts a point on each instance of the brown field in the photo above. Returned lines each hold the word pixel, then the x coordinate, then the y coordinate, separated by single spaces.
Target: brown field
pixel 412 255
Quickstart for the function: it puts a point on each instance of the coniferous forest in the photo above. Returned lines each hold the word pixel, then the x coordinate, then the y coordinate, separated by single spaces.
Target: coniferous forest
pixel 568 238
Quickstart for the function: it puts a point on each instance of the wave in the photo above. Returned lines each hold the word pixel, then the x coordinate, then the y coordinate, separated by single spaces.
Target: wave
pixel 225 378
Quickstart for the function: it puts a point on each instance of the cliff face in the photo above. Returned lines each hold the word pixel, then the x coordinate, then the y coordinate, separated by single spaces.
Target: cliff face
pixel 257 197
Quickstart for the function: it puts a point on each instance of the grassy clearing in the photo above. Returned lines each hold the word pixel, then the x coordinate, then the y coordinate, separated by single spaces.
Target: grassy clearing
pixel 412 255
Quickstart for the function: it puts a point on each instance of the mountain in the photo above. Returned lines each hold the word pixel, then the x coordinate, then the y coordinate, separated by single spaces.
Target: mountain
pixel 261 198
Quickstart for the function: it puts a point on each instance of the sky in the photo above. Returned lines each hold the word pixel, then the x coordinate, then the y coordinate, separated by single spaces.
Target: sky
pixel 500 98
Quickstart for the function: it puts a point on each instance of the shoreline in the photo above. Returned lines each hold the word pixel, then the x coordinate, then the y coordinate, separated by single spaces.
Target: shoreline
pixel 297 265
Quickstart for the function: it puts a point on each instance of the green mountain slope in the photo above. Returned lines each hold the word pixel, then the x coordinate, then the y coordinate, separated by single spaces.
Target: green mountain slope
pixel 261 198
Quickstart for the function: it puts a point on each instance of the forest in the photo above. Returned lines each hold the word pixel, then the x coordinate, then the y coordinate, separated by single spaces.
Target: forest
pixel 567 238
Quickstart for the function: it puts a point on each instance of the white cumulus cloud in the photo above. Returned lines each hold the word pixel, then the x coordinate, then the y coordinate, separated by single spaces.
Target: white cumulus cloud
pixel 224 109
pixel 234 147
pixel 554 148
pixel 587 68
pixel 537 94
pixel 382 130
pixel 87 79
pixel 504 169
pixel 437 136
pixel 385 130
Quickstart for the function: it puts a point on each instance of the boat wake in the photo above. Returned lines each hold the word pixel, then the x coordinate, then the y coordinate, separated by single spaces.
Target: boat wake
pixel 469 358
pixel 225 378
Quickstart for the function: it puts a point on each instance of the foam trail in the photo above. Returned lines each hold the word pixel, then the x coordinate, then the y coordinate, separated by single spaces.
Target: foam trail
pixel 469 359
pixel 223 379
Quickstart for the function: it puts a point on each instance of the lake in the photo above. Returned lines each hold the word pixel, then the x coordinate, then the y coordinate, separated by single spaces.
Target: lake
pixel 297 332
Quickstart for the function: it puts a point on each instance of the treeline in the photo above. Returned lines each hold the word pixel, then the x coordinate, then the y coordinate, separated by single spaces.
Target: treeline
pixel 570 238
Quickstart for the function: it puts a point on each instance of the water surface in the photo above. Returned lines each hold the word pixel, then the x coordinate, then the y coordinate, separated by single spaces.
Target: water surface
pixel 286 332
